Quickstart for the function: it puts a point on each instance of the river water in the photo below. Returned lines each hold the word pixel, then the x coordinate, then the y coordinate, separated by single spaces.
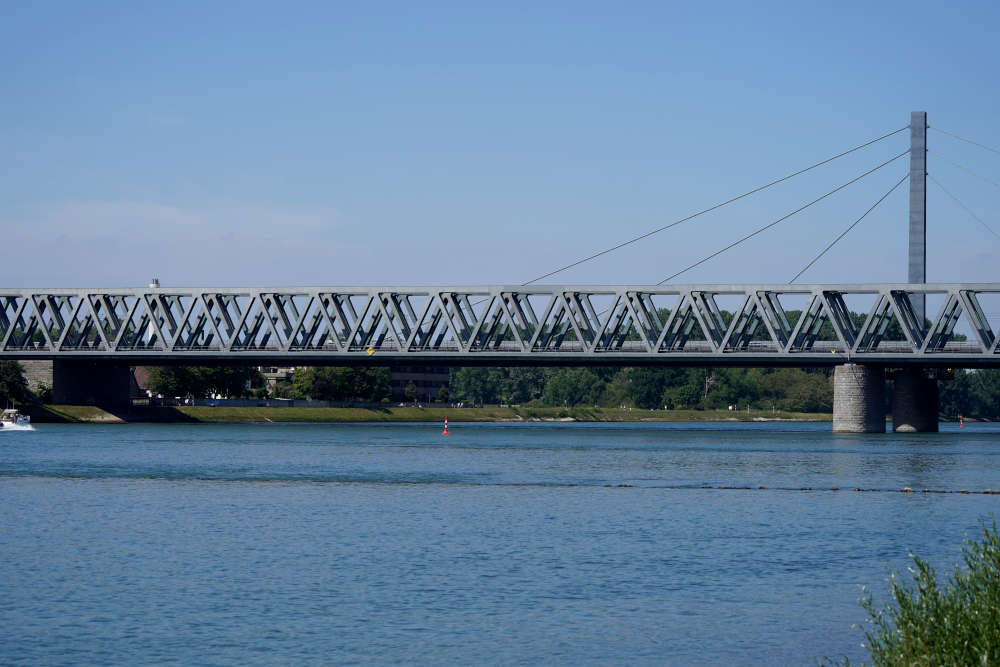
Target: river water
pixel 500 543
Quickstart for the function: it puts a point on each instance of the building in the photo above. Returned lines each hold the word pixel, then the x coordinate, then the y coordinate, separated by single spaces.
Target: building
pixel 276 374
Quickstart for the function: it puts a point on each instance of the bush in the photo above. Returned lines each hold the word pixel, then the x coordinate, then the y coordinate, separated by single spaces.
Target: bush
pixel 13 386
pixel 958 624
pixel 43 393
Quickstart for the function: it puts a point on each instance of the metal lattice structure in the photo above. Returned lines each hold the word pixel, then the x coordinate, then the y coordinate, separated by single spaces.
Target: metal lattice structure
pixel 502 325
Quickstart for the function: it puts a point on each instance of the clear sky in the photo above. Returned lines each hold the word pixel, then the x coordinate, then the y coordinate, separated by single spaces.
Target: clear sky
pixel 366 143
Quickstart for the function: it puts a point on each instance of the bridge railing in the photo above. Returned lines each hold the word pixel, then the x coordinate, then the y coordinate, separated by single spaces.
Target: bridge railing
pixel 627 322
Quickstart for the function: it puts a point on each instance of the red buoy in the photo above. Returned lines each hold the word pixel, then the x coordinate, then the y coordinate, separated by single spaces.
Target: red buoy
pixel 445 426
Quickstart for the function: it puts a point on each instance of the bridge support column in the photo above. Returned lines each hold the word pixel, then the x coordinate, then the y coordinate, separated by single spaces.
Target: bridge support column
pixel 858 399
pixel 81 382
pixel 914 402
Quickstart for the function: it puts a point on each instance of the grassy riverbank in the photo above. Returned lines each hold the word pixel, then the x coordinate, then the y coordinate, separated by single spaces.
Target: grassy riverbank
pixel 193 414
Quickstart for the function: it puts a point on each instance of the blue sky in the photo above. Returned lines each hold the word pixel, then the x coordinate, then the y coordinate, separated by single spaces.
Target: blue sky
pixel 335 144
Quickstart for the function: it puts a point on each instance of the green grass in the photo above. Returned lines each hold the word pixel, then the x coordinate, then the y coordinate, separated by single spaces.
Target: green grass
pixel 81 413
pixel 58 414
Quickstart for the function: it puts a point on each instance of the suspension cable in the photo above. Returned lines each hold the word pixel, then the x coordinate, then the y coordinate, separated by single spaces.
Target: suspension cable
pixel 846 231
pixel 964 168
pixel 967 209
pixel 712 208
pixel 968 141
pixel 782 218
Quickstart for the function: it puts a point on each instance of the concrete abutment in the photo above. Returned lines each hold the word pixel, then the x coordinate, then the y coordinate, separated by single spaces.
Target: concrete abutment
pixel 858 399
pixel 81 382
pixel 914 401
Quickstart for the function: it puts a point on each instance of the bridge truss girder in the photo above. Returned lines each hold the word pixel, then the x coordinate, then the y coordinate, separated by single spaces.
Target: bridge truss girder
pixel 502 325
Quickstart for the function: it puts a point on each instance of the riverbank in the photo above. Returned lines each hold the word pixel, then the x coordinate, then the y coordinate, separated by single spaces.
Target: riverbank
pixel 205 414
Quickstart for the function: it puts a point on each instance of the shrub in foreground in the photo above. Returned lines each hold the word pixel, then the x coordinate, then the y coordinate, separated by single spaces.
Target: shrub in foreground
pixel 954 624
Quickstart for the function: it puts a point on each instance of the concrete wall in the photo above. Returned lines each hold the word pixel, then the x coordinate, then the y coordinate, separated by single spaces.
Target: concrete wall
pixel 37 373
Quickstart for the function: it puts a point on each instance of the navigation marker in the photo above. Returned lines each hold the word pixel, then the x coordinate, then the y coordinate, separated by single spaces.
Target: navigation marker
pixel 445 432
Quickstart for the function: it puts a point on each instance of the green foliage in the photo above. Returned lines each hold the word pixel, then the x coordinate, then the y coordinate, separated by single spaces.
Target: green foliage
pixel 443 394
pixel 201 381
pixel 410 391
pixel 474 384
pixel 788 389
pixel 682 396
pixel 13 386
pixel 498 384
pixel 927 624
pixel 573 386
pixel 43 394
pixel 796 390
pixel 337 383
pixel 646 386
pixel 971 394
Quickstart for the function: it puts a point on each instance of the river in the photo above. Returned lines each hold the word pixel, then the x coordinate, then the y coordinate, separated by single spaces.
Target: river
pixel 500 543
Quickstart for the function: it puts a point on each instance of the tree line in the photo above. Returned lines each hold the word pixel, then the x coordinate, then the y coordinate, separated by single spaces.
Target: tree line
pixel 968 393
pixel 324 383
pixel 793 389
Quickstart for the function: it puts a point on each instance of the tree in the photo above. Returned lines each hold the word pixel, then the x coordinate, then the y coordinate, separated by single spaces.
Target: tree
pixel 797 390
pixel 234 381
pixel 971 394
pixel 13 386
pixel 174 381
pixel 617 387
pixel 410 391
pixel 201 381
pixel 646 387
pixel 323 383
pixel 682 396
pixel 337 383
pixel 520 384
pixel 573 386
pixel 927 624
pixel 474 384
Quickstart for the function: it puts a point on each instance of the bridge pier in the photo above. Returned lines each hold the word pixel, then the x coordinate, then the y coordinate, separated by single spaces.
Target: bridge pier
pixel 81 382
pixel 914 401
pixel 858 399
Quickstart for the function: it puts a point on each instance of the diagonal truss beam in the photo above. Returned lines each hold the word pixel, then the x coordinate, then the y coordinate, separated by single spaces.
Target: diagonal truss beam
pixel 640 324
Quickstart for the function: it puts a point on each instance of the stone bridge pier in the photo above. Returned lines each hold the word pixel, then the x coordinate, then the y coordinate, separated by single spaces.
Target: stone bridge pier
pixel 859 399
pixel 914 401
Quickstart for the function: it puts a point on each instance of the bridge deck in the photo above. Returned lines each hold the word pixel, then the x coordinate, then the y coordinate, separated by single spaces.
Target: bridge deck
pixel 766 325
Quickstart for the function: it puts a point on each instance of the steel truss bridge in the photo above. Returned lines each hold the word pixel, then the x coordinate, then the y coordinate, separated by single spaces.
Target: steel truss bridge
pixel 768 325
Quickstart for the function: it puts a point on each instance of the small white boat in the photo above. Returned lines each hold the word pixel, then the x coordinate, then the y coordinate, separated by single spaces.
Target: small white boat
pixel 11 418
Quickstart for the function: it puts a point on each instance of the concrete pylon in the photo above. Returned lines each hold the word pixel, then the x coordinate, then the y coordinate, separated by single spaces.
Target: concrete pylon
pixel 917 255
pixel 858 399
pixel 914 402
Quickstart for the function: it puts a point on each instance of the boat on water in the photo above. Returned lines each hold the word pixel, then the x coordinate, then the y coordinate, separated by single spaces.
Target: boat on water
pixel 11 418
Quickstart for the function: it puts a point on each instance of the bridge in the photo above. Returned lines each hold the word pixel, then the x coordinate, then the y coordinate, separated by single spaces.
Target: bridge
pixel 626 325
pixel 90 335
